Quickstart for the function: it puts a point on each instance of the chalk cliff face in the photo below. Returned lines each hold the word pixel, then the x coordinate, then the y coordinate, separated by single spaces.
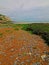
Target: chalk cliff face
pixel 4 19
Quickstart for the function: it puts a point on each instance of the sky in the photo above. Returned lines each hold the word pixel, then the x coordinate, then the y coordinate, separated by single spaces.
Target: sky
pixel 25 10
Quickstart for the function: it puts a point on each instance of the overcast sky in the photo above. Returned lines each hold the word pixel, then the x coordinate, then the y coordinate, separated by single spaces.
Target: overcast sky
pixel 25 10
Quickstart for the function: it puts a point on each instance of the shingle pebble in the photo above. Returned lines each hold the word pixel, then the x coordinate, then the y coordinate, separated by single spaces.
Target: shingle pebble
pixel 37 63
pixel 28 60
pixel 22 63
pixel 12 50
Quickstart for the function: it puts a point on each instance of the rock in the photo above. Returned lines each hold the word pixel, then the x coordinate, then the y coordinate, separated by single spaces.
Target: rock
pixel 43 57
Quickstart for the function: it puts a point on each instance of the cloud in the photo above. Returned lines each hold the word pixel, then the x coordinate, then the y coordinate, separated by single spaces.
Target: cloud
pixel 23 4
pixel 25 9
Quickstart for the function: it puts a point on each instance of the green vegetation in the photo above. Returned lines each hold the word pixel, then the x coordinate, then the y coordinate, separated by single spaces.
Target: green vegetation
pixel 36 26
pixel 41 29
pixel 8 31
pixel 16 28
pixel 1 34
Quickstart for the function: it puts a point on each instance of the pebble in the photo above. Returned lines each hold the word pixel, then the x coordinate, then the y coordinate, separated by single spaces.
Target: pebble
pixel 37 55
pixel 15 63
pixel 29 53
pixel 12 50
pixel 22 63
pixel 0 62
pixel 31 50
pixel 28 61
pixel 45 52
pixel 47 58
pixel 37 63
pixel 11 56
pixel 22 48
pixel 16 58
pixel 2 53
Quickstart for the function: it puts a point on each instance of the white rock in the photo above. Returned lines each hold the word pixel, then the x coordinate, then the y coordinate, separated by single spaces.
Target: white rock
pixel 43 57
